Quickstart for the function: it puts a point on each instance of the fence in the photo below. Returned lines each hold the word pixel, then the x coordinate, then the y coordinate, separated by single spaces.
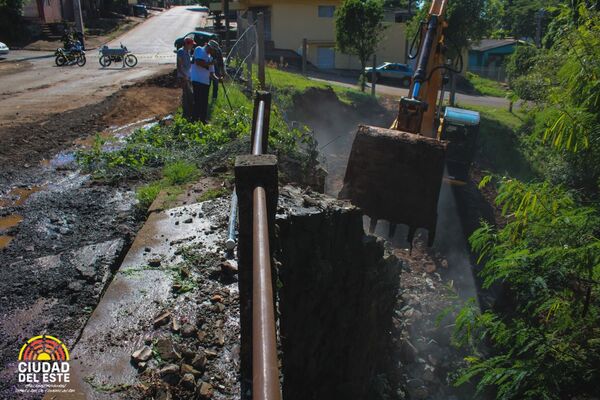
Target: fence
pixel 494 73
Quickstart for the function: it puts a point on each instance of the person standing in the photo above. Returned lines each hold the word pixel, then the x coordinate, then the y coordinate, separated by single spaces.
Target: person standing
pixel 184 65
pixel 219 68
pixel 203 70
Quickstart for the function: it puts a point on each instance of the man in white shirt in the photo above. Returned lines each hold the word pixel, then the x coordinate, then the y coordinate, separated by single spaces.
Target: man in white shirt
pixel 202 71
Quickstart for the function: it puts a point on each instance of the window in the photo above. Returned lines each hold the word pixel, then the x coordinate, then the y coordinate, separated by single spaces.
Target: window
pixel 326 11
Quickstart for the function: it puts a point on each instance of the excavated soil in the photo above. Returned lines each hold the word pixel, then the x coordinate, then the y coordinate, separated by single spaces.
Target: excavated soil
pixel 25 145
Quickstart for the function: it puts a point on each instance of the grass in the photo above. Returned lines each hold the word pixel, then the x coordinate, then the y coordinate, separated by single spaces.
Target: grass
pixel 499 144
pixel 180 172
pixel 213 194
pixel 295 82
pixel 486 87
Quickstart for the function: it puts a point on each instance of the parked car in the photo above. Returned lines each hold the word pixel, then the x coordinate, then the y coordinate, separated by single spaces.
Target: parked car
pixel 200 37
pixel 3 49
pixel 392 72
pixel 140 10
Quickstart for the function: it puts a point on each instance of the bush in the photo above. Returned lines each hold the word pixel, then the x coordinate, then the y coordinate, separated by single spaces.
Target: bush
pixel 180 172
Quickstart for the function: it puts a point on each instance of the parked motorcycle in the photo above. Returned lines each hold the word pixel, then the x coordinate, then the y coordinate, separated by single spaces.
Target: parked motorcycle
pixel 73 55
pixel 108 56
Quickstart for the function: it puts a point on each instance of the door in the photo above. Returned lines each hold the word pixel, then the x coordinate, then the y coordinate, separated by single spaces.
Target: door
pixel 326 57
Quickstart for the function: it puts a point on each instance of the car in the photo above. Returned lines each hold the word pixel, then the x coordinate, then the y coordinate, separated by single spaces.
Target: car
pixel 200 37
pixel 3 49
pixel 140 10
pixel 391 72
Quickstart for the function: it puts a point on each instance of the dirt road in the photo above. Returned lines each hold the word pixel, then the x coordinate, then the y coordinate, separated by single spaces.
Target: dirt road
pixel 37 88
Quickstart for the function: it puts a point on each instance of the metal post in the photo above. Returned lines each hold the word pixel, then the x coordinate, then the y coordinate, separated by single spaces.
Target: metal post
pixel 260 46
pixel 230 242
pixel 249 50
pixel 374 75
pixel 304 55
pixel 452 89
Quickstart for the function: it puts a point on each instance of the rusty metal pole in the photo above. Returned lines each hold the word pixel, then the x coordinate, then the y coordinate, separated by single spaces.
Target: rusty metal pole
pixel 265 368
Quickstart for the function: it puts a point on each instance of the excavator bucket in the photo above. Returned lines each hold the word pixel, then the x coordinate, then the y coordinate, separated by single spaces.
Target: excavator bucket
pixel 396 176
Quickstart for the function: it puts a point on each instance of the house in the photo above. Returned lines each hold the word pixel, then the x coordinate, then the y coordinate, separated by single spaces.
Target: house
pixel 48 11
pixel 491 53
pixel 288 22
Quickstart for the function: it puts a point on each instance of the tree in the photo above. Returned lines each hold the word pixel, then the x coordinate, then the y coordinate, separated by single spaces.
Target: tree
pixel 467 21
pixel 10 19
pixel 359 29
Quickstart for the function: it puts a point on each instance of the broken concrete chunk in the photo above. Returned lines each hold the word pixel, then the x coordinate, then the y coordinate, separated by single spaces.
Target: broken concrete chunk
pixel 204 390
pixel 142 354
pixel 165 349
pixel 188 382
pixel 199 361
pixel 170 373
pixel 188 330
pixel 162 319
pixel 219 337
pixel 154 262
pixel 188 369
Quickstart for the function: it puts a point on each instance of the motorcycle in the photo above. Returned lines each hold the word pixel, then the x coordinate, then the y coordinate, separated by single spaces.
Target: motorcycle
pixel 69 56
pixel 108 56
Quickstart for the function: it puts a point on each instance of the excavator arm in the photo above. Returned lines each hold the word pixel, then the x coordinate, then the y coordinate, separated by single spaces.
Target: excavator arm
pixel 396 174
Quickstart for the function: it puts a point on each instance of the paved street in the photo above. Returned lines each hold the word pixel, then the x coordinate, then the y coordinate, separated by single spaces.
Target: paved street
pixel 396 91
pixel 36 88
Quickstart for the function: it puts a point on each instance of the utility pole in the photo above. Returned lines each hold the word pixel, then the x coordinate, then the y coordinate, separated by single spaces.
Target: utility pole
pixel 78 15
pixel 260 46
pixel 226 12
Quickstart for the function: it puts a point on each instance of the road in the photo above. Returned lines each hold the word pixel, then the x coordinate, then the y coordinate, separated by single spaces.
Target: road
pixel 396 91
pixel 32 87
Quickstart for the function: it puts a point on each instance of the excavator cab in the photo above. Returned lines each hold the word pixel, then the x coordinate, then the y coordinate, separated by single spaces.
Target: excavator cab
pixel 396 174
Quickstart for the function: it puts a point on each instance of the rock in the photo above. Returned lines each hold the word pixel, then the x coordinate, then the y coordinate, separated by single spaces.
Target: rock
pixel 220 307
pixel 429 373
pixel 175 325
pixel 188 330
pixel 188 221
pixel 170 373
pixel 188 369
pixel 217 298
pixel 219 337
pixel 142 354
pixel 430 267
pixel 164 347
pixel 201 335
pixel 188 381
pixel 154 262
pixel 188 354
pixel 163 394
pixel 444 263
pixel 199 361
pixel 204 390
pixel 75 286
pixel 162 319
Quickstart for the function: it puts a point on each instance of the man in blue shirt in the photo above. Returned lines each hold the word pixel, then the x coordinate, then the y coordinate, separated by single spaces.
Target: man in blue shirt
pixel 184 65
pixel 203 69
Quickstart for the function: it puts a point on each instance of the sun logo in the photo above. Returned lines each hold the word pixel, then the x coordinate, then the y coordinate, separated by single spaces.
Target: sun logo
pixel 44 348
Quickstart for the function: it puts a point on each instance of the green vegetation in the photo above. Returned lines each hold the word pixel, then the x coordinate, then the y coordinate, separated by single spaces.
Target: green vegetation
pixel 180 172
pixel 213 194
pixel 146 194
pixel 546 343
pixel 359 29
pixel 486 87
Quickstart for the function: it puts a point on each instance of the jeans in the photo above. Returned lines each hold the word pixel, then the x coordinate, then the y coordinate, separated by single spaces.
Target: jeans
pixel 200 101
pixel 187 99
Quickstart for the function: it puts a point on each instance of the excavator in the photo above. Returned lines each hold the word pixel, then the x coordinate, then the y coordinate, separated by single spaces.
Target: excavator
pixel 396 174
